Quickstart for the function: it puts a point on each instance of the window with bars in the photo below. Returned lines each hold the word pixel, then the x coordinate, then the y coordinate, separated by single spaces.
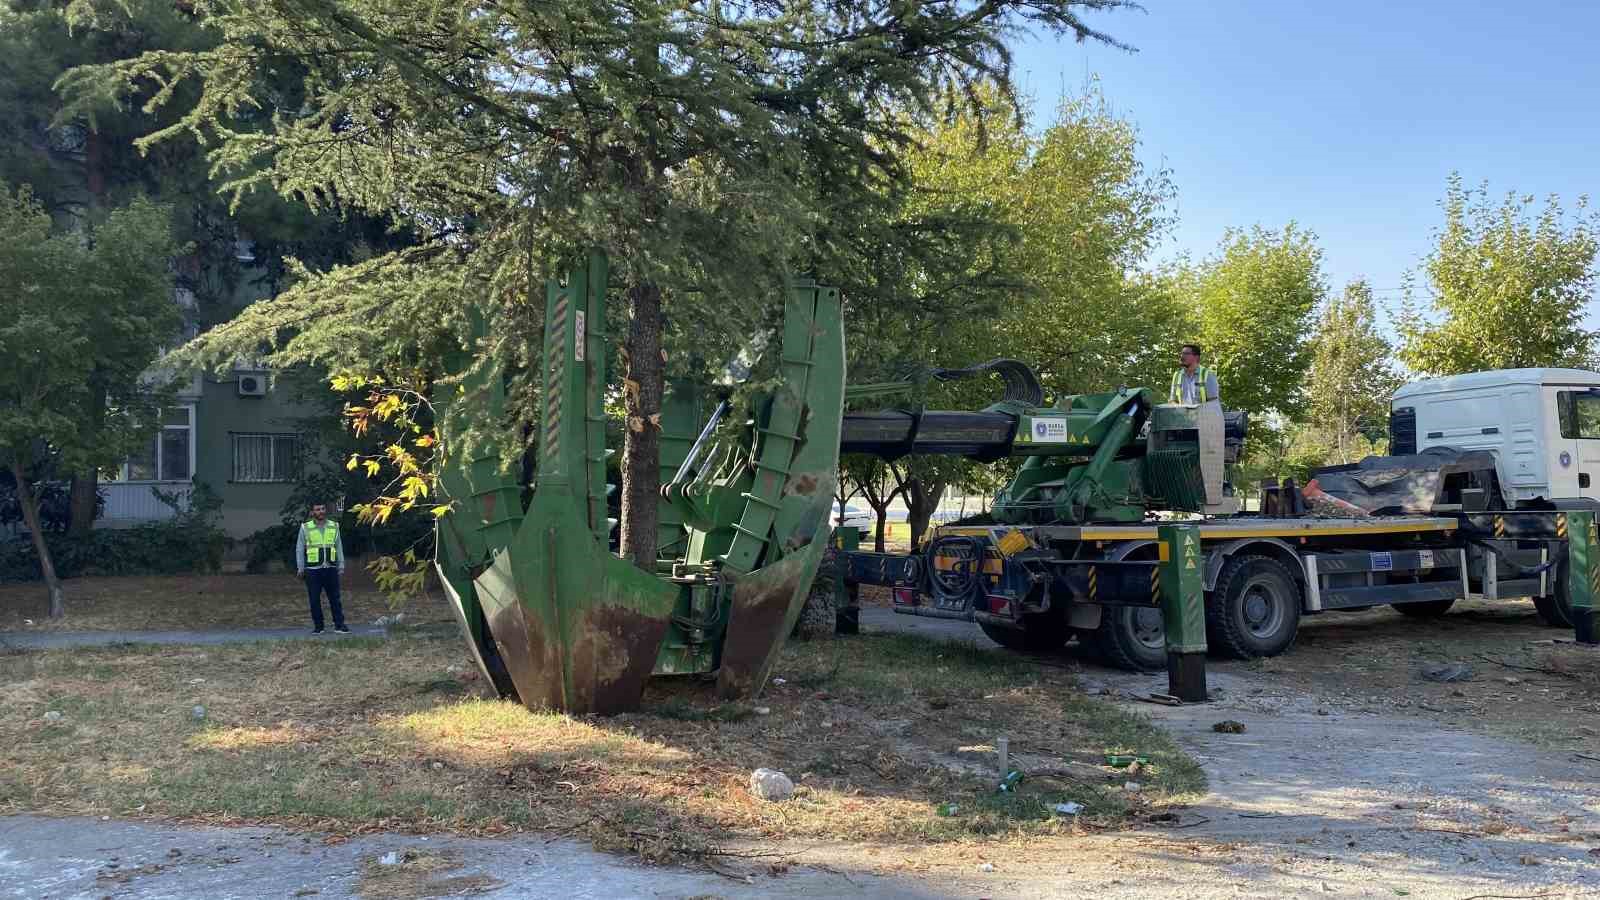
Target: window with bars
pixel 266 457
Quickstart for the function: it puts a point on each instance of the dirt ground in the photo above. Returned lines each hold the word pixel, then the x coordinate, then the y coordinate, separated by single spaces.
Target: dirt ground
pixel 1353 776
pixel 197 602
pixel 1527 680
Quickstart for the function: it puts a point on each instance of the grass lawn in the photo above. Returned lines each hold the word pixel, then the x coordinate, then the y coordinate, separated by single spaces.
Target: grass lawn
pixel 197 602
pixel 877 731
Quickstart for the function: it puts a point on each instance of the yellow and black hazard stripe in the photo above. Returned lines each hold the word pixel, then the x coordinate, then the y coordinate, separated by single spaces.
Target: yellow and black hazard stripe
pixel 1561 525
pixel 1499 526
pixel 1155 583
pixel 1094 582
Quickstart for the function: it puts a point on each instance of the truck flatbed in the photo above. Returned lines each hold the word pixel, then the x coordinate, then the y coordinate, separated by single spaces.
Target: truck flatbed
pixel 1227 529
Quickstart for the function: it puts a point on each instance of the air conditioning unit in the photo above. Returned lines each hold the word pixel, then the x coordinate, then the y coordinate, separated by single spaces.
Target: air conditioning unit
pixel 254 385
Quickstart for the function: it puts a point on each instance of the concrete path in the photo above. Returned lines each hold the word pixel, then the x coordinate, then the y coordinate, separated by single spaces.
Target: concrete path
pixel 54 859
pixel 52 640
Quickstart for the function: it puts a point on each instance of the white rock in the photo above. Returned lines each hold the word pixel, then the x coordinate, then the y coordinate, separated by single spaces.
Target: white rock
pixel 1069 808
pixel 770 784
pixel 780 681
pixel 1132 787
pixel 763 710
pixel 392 858
pixel 52 716
pixel 199 711
pixel 986 867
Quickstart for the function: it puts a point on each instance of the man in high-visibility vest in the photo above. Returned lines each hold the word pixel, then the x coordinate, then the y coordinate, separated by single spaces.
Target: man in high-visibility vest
pixel 1193 384
pixel 319 559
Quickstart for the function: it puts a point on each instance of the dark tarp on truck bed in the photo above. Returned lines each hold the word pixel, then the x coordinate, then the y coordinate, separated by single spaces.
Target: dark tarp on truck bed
pixel 1403 485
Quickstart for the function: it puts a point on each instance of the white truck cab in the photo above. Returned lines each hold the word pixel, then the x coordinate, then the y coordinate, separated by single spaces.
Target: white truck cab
pixel 1543 426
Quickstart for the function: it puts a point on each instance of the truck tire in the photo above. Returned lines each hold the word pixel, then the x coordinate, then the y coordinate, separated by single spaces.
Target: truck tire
pixel 1130 637
pixel 1555 608
pixel 1430 609
pixel 1255 609
pixel 1040 633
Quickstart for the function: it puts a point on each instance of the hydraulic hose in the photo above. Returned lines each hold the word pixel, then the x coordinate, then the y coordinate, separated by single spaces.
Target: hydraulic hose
pixel 961 585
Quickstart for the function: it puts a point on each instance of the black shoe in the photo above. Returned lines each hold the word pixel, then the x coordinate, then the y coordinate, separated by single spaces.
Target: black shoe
pixel 341 629
pixel 316 631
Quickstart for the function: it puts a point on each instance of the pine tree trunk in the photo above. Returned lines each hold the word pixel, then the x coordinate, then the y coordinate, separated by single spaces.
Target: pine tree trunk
pixel 641 453
pixel 30 516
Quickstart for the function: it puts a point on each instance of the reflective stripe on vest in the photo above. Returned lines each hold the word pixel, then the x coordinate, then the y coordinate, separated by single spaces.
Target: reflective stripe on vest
pixel 322 544
pixel 1201 376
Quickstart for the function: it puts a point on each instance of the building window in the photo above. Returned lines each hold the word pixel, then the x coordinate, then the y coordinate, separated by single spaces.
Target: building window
pixel 169 453
pixel 266 457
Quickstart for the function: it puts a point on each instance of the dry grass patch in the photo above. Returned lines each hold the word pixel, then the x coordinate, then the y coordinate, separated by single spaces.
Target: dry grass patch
pixel 417 874
pixel 197 602
pixel 877 732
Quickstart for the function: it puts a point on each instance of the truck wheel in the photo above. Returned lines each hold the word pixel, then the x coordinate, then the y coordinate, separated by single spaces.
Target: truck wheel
pixel 1555 608
pixel 1430 609
pixel 1040 633
pixel 1131 637
pixel 1255 609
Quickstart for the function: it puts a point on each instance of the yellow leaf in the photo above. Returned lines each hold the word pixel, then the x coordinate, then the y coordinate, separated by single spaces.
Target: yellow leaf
pixel 355 460
pixel 372 468
pixel 440 512
pixel 425 441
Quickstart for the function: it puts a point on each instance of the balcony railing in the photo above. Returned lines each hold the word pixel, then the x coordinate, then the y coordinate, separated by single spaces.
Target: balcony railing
pixel 133 501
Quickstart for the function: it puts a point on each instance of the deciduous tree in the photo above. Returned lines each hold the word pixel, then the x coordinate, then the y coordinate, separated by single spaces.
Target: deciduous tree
pixel 1507 287
pixel 78 313
pixel 1352 374
pixel 1254 302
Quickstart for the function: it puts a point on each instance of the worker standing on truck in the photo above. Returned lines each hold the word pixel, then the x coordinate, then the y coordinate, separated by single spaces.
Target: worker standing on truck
pixel 319 560
pixel 1193 384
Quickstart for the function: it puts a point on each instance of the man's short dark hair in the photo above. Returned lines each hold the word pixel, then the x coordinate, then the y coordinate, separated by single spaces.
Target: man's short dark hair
pixel 1192 348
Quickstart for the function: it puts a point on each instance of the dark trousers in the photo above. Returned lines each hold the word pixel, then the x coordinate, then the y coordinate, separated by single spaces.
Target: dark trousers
pixel 318 581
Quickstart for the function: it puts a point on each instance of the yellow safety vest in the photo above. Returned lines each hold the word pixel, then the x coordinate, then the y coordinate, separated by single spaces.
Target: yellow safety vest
pixel 322 544
pixel 1201 376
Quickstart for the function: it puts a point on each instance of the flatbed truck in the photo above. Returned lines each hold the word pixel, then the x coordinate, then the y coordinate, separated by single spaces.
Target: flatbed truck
pixel 1490 525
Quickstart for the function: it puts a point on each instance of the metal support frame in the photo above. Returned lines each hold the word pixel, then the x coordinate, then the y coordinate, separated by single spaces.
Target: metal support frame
pixel 1583 575
pixel 1183 611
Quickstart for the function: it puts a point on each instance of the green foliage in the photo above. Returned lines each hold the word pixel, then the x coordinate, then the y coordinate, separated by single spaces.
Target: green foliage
pixel 711 149
pixel 1509 288
pixel 1352 375
pixel 1047 230
pixel 191 541
pixel 273 545
pixel 1253 305
pixel 83 160
pixel 80 315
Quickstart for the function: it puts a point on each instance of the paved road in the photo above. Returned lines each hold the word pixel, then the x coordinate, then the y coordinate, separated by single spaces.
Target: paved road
pixel 51 640
pixel 43 858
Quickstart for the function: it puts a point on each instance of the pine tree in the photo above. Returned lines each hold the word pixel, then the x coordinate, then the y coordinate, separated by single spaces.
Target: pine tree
pixel 710 148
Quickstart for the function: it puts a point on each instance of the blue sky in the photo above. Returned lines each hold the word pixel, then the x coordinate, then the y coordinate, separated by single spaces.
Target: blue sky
pixel 1344 118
